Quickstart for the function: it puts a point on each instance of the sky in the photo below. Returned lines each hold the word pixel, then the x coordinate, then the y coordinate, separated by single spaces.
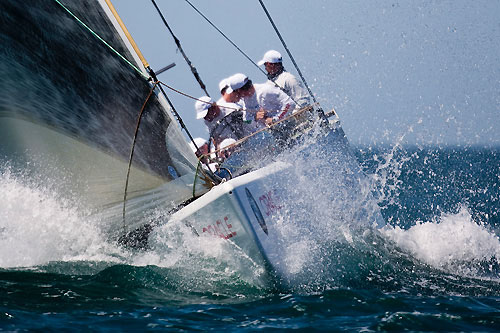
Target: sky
pixel 418 72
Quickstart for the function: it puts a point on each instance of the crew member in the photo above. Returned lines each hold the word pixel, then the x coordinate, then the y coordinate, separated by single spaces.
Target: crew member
pixel 276 73
pixel 268 103
pixel 225 96
pixel 229 102
pixel 213 115
pixel 202 150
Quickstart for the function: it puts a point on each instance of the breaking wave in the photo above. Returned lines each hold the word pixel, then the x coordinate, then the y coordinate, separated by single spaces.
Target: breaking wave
pixel 43 231
pixel 37 226
pixel 452 242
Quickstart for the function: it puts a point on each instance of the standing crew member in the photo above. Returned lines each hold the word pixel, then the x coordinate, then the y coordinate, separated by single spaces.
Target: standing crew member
pixel 276 73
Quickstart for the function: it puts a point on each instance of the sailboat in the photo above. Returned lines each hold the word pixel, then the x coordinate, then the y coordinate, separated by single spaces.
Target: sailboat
pixel 80 112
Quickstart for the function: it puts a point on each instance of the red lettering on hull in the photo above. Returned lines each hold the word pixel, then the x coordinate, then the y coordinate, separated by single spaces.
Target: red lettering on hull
pixel 270 201
pixel 220 229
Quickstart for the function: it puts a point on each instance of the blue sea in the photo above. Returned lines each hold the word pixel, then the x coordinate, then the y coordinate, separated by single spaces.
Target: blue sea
pixel 435 267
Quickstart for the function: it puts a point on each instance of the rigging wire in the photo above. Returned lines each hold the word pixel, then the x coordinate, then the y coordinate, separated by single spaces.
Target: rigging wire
pixel 289 54
pixel 239 49
pixel 159 84
pixel 131 156
pixel 147 67
pixel 102 40
pixel 198 99
pixel 227 38
pixel 178 43
pixel 174 111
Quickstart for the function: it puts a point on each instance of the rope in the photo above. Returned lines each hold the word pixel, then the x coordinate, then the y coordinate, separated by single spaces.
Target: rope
pixel 197 99
pixel 139 117
pixel 174 111
pixel 178 43
pixel 102 40
pixel 297 113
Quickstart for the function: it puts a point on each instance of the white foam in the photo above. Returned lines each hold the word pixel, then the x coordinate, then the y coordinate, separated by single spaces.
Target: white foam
pixel 174 245
pixel 454 242
pixel 37 227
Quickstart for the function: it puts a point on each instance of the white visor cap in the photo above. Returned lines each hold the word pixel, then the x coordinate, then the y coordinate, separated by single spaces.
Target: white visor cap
pixel 223 84
pixel 226 143
pixel 271 56
pixel 235 82
pixel 202 106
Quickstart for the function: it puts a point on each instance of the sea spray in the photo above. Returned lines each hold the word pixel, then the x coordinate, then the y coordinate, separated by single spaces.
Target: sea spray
pixel 37 226
pixel 444 224
pixel 323 206
pixel 43 232
pixel 341 251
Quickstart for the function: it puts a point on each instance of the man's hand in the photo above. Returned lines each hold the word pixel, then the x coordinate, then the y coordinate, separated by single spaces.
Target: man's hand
pixel 269 121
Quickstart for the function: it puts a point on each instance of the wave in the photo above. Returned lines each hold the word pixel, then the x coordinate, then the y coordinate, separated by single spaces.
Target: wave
pixel 38 226
pixel 454 243
pixel 42 232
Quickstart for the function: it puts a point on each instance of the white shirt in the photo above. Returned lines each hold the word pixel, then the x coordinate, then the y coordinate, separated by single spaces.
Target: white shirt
pixel 292 87
pixel 274 101
pixel 227 107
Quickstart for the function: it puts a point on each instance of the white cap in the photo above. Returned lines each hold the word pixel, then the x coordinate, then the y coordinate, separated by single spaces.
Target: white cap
pixel 236 81
pixel 202 106
pixel 226 142
pixel 223 84
pixel 271 56
pixel 199 142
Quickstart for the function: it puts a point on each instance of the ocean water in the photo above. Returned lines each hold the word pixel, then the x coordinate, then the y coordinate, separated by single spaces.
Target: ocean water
pixel 436 266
